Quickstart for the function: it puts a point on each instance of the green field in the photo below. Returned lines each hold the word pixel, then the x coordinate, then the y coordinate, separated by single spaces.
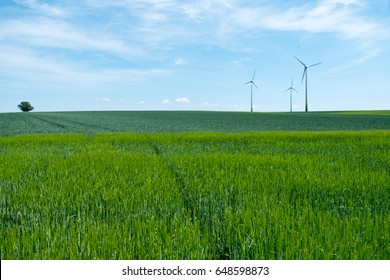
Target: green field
pixel 297 186
pixel 190 121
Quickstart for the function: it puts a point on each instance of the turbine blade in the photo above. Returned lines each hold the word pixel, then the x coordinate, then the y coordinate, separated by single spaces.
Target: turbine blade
pixel 255 85
pixel 287 89
pixel 294 90
pixel 304 73
pixel 292 82
pixel 300 61
pixel 254 74
pixel 247 83
pixel 314 64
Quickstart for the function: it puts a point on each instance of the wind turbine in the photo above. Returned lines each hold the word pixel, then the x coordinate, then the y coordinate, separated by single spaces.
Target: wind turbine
pixel 305 76
pixel 291 89
pixel 252 84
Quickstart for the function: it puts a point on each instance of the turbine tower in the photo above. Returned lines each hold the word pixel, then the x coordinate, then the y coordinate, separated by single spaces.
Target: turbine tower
pixel 252 84
pixel 291 89
pixel 305 76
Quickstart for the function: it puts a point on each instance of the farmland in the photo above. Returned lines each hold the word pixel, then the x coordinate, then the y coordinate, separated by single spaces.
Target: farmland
pixel 191 121
pixel 70 190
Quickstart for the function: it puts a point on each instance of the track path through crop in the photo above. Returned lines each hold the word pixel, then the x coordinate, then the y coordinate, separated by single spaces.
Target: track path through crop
pixel 196 206
pixel 190 207
pixel 66 124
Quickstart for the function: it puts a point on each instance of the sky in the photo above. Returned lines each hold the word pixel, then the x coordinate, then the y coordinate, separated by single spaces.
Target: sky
pixel 89 55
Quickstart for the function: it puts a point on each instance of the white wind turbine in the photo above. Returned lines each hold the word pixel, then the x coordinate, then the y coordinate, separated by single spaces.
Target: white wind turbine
pixel 252 84
pixel 291 89
pixel 305 76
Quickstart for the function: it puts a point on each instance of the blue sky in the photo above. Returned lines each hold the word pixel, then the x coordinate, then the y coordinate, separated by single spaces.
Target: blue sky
pixel 193 55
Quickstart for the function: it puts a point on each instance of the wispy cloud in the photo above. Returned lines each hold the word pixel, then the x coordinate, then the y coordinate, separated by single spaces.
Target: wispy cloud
pixel 142 27
pixel 179 61
pixel 180 100
pixel 102 44
pixel 45 8
pixel 104 99
pixel 59 34
pixel 209 105
pixel 32 66
pixel 344 17
pixel 369 54
pixel 329 16
pixel 166 102
pixel 241 60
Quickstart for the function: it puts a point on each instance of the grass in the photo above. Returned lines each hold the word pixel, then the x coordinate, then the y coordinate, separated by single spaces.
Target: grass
pixel 194 195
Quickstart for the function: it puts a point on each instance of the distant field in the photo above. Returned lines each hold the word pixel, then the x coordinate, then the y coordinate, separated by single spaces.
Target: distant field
pixel 185 121
pixel 300 186
pixel 378 113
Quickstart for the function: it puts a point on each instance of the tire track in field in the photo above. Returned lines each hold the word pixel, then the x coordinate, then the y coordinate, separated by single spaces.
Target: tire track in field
pixel 67 125
pixel 220 248
pixel 188 203
pixel 100 128
pixel 48 121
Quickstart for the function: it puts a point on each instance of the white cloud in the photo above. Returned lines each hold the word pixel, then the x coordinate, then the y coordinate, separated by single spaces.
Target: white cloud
pixel 60 34
pixel 358 61
pixel 104 99
pixel 344 2
pixel 241 60
pixel 179 61
pixel 161 25
pixel 65 48
pixel 324 17
pixel 29 66
pixel 207 104
pixel 182 100
pixel 153 17
pixel 166 102
pixel 43 8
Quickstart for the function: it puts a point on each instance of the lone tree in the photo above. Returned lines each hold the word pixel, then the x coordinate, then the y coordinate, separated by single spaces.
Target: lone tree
pixel 25 106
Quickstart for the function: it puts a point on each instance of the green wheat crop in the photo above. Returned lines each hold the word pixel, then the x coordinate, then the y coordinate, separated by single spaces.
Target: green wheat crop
pixel 187 121
pixel 271 195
